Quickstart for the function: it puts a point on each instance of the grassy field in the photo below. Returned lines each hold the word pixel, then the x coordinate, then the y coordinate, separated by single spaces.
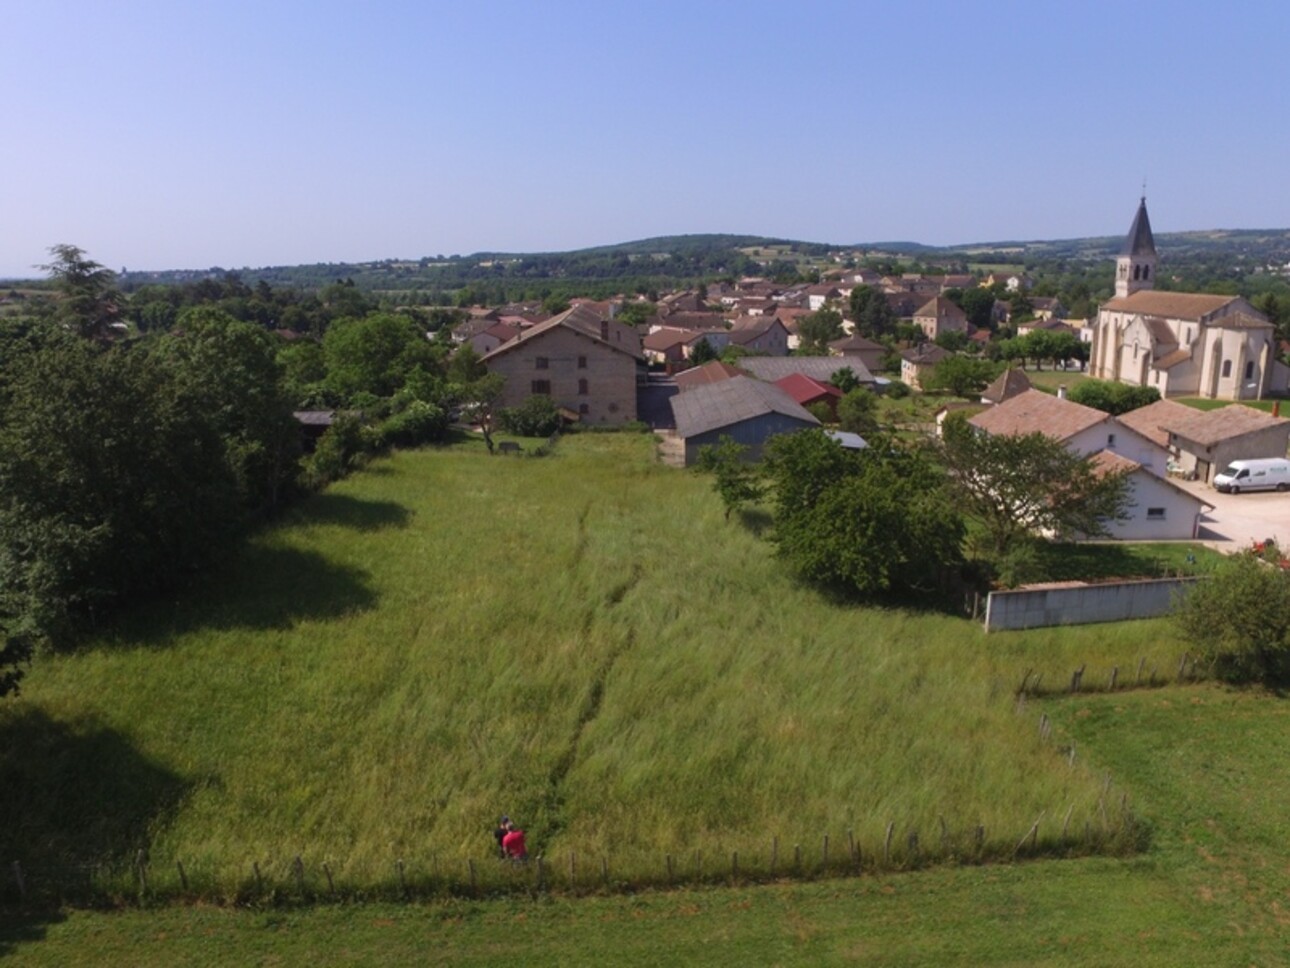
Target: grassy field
pixel 580 641
pixel 1203 767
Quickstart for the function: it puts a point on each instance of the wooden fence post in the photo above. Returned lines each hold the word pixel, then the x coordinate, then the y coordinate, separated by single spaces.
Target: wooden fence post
pixel 331 884
pixel 183 878
pixel 1077 678
pixel 851 846
pixel 1032 835
pixel 774 853
pixel 141 865
pixel 886 844
pixel 474 883
pixel 259 881
pixel 1137 680
pixel 912 845
pixel 298 868
pixel 539 873
pixel 1072 756
pixel 1115 674
pixel 403 883
pixel 824 853
pixel 1067 822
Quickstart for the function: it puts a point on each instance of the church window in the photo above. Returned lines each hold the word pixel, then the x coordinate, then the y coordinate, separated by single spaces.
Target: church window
pixel 1146 271
pixel 1249 370
pixel 1137 272
pixel 1227 368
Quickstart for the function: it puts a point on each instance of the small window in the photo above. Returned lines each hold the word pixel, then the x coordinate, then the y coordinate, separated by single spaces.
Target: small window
pixel 1155 514
pixel 1249 370
pixel 584 409
pixel 1110 440
pixel 1146 272
pixel 582 388
pixel 542 363
pixel 582 362
pixel 542 386
pixel 1227 368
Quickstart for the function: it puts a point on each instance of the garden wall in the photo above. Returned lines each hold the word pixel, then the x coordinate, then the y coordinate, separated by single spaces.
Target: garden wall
pixel 1079 604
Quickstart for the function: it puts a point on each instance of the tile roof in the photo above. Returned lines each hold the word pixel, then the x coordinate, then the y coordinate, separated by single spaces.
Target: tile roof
pixel 1170 360
pixel 663 339
pixel 580 320
pixel 1109 462
pixel 713 372
pixel 1171 305
pixel 1209 427
pixel 855 343
pixel 718 405
pixel 1007 385
pixel 805 390
pixel 1239 320
pixel 1034 410
pixel 941 308
pixel 1160 332
pixel 926 354
pixel 1149 420
pixel 772 368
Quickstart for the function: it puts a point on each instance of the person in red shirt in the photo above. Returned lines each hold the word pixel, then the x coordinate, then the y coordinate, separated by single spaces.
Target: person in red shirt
pixel 513 844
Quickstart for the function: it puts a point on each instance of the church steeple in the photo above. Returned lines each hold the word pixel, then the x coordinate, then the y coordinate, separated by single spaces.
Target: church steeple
pixel 1135 268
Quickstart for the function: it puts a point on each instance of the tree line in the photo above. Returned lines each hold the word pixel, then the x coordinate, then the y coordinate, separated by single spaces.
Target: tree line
pixel 132 460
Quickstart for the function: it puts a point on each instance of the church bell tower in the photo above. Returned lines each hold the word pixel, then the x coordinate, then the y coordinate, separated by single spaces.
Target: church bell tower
pixel 1135 268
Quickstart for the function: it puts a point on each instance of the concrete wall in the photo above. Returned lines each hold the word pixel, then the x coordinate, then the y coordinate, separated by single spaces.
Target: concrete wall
pixel 1083 604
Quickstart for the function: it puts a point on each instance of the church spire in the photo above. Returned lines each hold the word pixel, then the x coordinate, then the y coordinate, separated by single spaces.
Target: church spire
pixel 1136 266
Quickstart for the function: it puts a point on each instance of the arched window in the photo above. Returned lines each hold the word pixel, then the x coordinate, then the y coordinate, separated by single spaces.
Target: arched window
pixel 1227 368
pixel 1146 271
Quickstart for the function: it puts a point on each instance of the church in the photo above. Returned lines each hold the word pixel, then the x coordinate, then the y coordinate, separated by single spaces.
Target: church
pixel 1183 344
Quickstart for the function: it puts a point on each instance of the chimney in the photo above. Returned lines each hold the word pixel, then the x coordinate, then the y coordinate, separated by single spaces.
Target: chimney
pixel 1061 392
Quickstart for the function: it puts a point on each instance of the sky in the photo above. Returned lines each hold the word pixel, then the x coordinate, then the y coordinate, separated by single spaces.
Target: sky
pixel 167 135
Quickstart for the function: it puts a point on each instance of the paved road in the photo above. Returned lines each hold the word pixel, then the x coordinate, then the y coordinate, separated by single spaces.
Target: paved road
pixel 1237 520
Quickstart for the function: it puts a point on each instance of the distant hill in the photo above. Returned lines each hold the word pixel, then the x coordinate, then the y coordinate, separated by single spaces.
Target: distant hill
pixel 664 261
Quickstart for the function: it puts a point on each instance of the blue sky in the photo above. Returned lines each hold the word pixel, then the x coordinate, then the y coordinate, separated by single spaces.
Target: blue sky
pixel 177 135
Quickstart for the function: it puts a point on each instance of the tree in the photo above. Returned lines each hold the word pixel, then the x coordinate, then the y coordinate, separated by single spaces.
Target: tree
pixel 479 403
pixel 845 379
pixel 375 354
pixel 877 319
pixel 537 416
pixel 702 352
pixel 858 411
pixel 874 523
pixel 1238 620
pixel 1112 396
pixel 963 376
pixel 90 302
pixel 1017 485
pixel 818 329
pixel 734 479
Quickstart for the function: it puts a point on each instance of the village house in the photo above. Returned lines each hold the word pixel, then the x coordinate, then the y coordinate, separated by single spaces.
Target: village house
pixel 711 372
pixel 808 391
pixel 760 334
pixel 1183 344
pixel 1012 382
pixel 1084 430
pixel 856 347
pixel 939 316
pixel 820 368
pixel 488 340
pixel 917 363
pixel 588 365
pixel 1159 510
pixel 1202 442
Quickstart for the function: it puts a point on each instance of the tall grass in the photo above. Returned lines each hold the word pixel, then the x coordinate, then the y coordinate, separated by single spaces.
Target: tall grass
pixel 582 642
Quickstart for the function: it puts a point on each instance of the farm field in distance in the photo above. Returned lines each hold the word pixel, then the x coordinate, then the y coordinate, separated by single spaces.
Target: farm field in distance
pixel 581 641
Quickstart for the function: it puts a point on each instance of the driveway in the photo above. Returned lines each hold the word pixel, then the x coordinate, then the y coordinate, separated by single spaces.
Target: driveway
pixel 1237 520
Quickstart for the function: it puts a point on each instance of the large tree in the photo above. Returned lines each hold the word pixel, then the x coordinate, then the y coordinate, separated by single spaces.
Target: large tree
pixel 818 329
pixel 1020 485
pixel 89 302
pixel 963 376
pixel 873 524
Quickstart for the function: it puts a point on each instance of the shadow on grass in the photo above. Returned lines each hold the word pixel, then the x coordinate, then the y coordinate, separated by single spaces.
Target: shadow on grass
pixel 756 520
pixel 17 930
pixel 74 797
pixel 262 588
pixel 1103 562
pixel 352 512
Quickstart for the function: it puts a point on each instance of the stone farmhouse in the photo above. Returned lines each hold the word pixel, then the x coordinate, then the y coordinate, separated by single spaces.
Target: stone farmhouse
pixel 590 366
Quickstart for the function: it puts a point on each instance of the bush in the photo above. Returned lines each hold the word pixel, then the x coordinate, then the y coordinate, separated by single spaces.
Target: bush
pixel 419 423
pixel 1238 621
pixel 535 417
pixel 898 389
pixel 342 448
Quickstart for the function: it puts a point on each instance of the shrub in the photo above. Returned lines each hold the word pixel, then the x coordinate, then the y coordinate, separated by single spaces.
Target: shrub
pixel 535 417
pixel 418 423
pixel 1238 621
pixel 898 389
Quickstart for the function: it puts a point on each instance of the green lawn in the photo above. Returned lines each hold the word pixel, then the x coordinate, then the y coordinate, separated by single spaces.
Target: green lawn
pixel 1203 768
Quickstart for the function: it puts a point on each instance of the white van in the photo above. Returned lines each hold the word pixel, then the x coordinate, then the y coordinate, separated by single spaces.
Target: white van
pixel 1265 474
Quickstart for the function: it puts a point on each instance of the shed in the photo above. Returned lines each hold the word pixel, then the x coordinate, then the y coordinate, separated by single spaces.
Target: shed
pixel 747 410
